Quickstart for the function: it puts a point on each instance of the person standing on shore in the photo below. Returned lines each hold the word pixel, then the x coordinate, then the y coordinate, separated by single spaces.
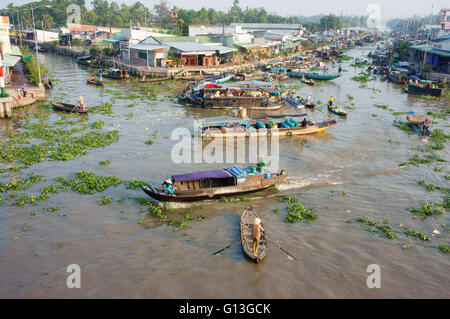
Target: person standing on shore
pixel 24 90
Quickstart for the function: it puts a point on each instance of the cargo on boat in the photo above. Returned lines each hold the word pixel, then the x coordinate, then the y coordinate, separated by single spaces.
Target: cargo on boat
pixel 213 184
pixel 116 74
pixel 89 60
pixel 271 125
pixel 425 89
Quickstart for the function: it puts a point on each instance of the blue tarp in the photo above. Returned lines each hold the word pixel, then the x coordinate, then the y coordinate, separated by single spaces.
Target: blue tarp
pixel 235 171
pixel 188 177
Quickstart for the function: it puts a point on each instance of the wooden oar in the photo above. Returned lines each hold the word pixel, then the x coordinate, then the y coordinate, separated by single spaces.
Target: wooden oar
pixel 229 246
pixel 280 247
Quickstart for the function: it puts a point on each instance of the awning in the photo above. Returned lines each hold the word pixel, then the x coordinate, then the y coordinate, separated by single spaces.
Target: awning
pixel 10 60
pixel 200 175
pixel 428 49
pixel 102 43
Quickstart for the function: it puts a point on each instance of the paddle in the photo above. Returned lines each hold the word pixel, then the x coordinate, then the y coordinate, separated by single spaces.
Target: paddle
pixel 229 246
pixel 280 247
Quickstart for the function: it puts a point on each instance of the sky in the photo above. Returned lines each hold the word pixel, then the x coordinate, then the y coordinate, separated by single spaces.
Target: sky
pixel 388 8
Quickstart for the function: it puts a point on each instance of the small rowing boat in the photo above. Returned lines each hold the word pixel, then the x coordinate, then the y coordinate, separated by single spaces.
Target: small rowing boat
pixel 337 110
pixel 247 220
pixel 68 107
pixel 94 82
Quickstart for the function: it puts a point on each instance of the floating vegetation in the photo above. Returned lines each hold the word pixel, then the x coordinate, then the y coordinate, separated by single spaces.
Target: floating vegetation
pixel 104 163
pixel 18 184
pixel 104 108
pixel 427 210
pixel 416 160
pixel 105 200
pixel 444 248
pixel 402 125
pixel 438 136
pixel 417 234
pixel 136 184
pixel 298 213
pixel 381 106
pixel 383 227
pixel 97 124
pixel 432 187
pixel 364 78
pixel 86 182
pixel 287 199
pixel 399 113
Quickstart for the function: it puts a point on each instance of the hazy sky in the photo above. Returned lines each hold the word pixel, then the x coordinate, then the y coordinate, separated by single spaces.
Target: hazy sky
pixel 389 8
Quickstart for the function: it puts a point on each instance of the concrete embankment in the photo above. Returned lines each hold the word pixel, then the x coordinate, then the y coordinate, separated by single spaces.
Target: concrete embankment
pixel 15 99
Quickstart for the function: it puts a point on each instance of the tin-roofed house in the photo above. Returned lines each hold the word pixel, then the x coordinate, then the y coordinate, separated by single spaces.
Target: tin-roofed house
pixel 194 54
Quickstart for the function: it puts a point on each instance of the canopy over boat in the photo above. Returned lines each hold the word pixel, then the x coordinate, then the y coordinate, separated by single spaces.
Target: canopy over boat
pixel 188 177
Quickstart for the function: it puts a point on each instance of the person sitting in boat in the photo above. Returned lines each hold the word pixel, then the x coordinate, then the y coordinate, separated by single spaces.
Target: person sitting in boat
pixel 308 99
pixel 256 234
pixel 169 186
pixel 304 122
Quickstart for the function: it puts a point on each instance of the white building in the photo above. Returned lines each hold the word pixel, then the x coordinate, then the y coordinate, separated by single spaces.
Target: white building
pixel 4 34
pixel 41 35
pixel 11 53
pixel 240 35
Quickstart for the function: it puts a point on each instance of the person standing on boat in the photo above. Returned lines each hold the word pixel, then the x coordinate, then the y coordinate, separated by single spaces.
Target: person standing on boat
pixel 330 102
pixel 82 106
pixel 100 75
pixel 262 164
pixel 340 68
pixel 256 234
pixel 169 186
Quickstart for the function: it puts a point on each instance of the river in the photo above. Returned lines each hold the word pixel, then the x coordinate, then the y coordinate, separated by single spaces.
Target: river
pixel 349 171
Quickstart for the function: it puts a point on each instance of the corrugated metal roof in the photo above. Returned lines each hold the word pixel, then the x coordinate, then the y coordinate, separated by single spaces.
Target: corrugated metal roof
pixel 147 47
pixel 190 46
pixel 430 50
pixel 223 49
pixel 198 39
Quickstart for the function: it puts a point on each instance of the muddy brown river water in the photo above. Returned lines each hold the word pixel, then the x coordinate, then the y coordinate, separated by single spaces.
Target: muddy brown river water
pixel 349 171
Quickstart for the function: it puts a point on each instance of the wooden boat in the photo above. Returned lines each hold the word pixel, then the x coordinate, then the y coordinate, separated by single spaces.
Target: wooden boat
pixel 337 110
pixel 116 74
pixel 232 181
pixel 306 81
pixel 247 220
pixel 246 127
pixel 419 122
pixel 89 60
pixel 68 107
pixel 94 82
pixel 300 102
pixel 416 89
pixel 314 75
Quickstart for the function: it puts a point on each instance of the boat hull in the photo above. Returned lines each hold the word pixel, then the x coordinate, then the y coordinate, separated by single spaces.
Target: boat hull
pixel 310 129
pixel 67 107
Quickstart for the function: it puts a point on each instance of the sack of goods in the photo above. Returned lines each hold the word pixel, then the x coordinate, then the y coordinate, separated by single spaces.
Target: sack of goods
pixel 418 119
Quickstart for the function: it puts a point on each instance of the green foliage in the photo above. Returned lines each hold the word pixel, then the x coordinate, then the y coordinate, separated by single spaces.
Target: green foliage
pixel 136 184
pixel 427 210
pixel 417 234
pixel 32 66
pixel 86 182
pixel 298 213
pixel 105 200
pixel 383 227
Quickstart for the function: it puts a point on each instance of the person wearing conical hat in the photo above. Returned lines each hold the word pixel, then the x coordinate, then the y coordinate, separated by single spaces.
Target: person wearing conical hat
pixel 262 164
pixel 168 185
pixel 256 234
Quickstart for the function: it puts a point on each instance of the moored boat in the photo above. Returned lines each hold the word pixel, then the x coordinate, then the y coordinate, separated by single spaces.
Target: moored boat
pixel 213 184
pixel 116 74
pixel 68 107
pixel 424 90
pixel 94 81
pixel 247 222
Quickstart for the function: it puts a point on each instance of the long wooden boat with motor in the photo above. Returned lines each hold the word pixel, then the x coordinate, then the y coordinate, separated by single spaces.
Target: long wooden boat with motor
pixel 231 126
pixel 314 75
pixel 68 107
pixel 116 74
pixel 232 181
pixel 247 222
pixel 421 90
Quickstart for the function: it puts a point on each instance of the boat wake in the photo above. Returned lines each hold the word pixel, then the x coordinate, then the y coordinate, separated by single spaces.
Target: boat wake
pixel 297 183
